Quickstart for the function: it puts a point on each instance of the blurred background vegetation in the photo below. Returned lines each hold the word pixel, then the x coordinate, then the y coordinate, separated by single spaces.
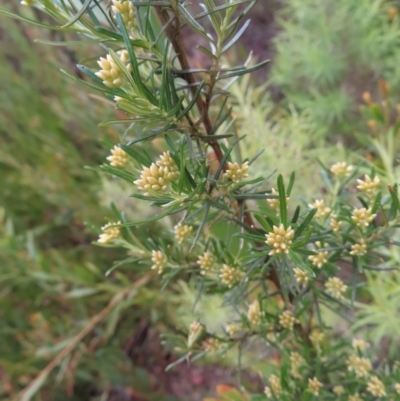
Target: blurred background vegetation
pixel 309 103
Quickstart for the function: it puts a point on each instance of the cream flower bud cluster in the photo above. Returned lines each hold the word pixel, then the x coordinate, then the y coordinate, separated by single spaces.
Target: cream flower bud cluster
pixel 322 210
pixel 271 337
pixel 296 360
pixel 158 175
pixel 341 169
pixel 335 224
pixel 152 178
pixel 232 329
pixel 338 390
pixel 280 239
pixel 110 73
pixel 171 170
pixel 314 386
pixel 275 389
pixel 127 11
pixel 360 366
pixel 230 276
pixel 362 217
pixel 160 261
pixel 335 287
pixel 301 276
pixel 211 345
pixel 369 185
pixel 235 172
pixel 376 387
pixel 206 262
pixel 182 232
pixel 397 388
pixel 109 233
pixel 254 313
pixel 287 319
pixel 274 203
pixel 359 343
pixel 195 327
pixel 118 157
pixel 355 397
pixel 28 3
pixel 359 249
pixel 316 337
pixel 319 259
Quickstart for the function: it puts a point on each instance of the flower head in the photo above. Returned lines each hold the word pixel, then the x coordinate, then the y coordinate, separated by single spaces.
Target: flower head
pixel 314 385
pixel 301 276
pixel 335 287
pixel 360 366
pixel 359 343
pixel 316 337
pixel 359 249
pixel 369 185
pixel 376 387
pixel 296 361
pixel 152 178
pixel 274 202
pixel 362 217
pixel 211 345
pixel 275 388
pixel 206 262
pixel 171 170
pixel 109 233
pixel 355 397
pixel 341 169
pixel 232 329
pixel 319 259
pixel 182 232
pixel 28 3
pixel 235 172
pixel 271 337
pixel 118 157
pixel 110 73
pixel 254 313
pixel 287 319
pixel 335 224
pixel 338 390
pixel 322 210
pixel 127 11
pixel 280 239
pixel 160 261
pixel 229 275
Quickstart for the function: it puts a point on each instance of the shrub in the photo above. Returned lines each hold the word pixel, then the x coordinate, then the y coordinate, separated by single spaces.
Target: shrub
pixel 284 273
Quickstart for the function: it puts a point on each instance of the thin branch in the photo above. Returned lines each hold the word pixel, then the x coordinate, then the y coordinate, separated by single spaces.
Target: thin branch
pixel 34 385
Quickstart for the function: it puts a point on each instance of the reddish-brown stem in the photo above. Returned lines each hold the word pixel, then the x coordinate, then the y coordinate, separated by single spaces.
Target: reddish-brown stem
pixel 172 31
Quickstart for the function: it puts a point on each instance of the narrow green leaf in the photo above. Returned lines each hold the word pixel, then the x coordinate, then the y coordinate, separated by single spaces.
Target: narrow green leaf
pixel 119 173
pixel 295 215
pixel 298 261
pixel 244 71
pixel 282 200
pixel 305 223
pixel 77 16
pixel 172 210
pixel 18 17
pixel 138 154
pixel 236 37
pixel 291 183
pixel 192 101
pixel 189 19
pixel 264 224
pixel 201 226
